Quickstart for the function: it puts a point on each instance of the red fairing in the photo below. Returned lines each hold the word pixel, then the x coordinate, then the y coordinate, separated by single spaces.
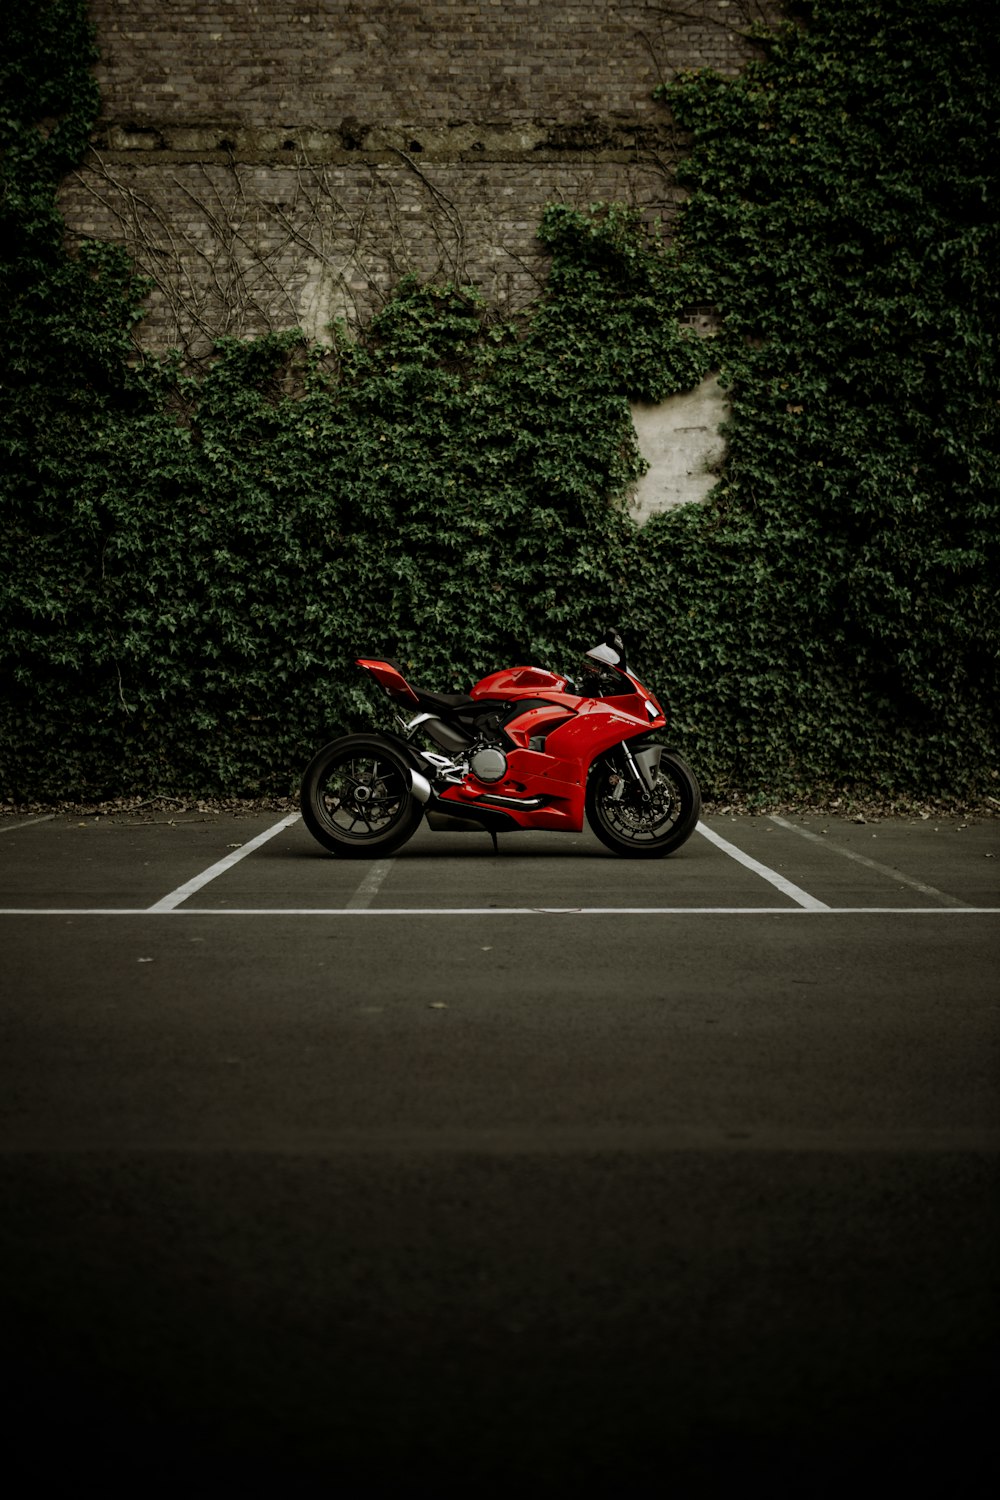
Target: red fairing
pixel 573 730
pixel 390 678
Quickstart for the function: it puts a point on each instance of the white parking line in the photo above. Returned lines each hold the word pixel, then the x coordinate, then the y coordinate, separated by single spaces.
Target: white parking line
pixel 870 864
pixel 369 887
pixel 818 910
pixel 794 892
pixel 508 1139
pixel 31 823
pixel 169 903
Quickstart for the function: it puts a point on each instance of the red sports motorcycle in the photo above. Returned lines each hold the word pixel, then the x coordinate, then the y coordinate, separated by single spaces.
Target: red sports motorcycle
pixel 524 749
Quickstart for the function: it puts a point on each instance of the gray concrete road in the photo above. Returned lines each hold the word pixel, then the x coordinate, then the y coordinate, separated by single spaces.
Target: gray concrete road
pixel 548 1168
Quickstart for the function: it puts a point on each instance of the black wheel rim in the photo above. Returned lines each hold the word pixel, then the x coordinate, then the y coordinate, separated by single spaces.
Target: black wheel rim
pixel 361 796
pixel 637 816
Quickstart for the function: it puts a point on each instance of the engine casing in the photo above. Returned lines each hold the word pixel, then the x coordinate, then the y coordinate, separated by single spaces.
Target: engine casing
pixel 488 763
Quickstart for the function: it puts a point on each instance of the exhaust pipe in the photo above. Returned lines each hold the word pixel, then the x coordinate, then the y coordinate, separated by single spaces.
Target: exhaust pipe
pixel 420 786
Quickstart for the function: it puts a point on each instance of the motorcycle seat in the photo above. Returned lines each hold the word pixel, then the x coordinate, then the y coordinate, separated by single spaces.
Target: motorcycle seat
pixel 443 702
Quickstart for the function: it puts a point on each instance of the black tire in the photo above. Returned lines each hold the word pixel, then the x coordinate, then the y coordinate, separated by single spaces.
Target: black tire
pixel 643 826
pixel 356 800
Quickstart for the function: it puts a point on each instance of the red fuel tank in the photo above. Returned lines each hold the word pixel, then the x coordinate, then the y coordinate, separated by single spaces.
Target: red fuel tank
pixel 518 682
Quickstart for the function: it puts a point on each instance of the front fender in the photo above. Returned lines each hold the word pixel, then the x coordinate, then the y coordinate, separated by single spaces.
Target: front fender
pixel 646 753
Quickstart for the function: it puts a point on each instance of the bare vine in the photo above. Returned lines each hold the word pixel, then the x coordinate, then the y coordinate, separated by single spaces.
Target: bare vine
pixel 234 250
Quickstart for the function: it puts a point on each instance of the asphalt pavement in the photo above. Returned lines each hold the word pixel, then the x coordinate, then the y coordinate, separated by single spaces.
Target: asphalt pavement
pixel 544 1168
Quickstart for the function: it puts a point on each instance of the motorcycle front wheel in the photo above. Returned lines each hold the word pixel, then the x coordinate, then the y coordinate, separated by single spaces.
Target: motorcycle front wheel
pixel 356 799
pixel 641 823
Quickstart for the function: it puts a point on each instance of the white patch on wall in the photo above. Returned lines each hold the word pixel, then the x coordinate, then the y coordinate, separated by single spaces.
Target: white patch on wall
pixel 679 439
pixel 321 301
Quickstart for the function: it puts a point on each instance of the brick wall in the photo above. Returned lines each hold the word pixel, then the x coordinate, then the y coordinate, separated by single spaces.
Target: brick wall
pixel 270 164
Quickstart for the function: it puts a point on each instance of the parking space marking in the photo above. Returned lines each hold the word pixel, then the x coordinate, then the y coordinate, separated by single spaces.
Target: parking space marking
pixel 818 910
pixel 171 902
pixel 515 1139
pixel 870 864
pixel 31 823
pixel 360 902
pixel 795 893
pixel 369 887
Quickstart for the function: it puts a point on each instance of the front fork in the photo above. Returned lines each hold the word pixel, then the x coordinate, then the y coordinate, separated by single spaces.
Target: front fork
pixel 641 767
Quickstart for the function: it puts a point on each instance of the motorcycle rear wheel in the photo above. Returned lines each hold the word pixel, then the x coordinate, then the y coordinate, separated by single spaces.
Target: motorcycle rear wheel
pixel 641 827
pixel 356 799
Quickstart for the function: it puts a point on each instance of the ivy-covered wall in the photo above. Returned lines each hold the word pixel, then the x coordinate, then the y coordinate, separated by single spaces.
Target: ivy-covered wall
pixel 191 558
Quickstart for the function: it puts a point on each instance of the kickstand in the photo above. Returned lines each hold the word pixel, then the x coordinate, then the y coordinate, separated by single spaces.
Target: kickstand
pixel 493 835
